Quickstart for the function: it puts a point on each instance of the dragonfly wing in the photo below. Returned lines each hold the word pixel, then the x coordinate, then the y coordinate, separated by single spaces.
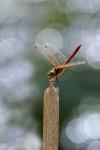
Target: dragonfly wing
pixel 54 56
pixel 60 56
pixel 74 64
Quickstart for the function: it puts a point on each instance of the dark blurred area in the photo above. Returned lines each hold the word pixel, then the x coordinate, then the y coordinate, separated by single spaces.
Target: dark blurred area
pixel 64 25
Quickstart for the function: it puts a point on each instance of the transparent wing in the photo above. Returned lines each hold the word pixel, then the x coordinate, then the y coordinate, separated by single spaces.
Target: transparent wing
pixel 74 64
pixel 54 56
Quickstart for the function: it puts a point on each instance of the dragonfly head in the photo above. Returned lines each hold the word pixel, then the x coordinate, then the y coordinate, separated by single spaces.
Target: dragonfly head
pixel 51 74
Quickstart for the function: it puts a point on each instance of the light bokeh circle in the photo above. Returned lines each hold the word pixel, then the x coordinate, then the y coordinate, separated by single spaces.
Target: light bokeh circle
pixel 51 36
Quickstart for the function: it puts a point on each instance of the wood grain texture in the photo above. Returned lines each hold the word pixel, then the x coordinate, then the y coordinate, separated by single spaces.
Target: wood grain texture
pixel 51 119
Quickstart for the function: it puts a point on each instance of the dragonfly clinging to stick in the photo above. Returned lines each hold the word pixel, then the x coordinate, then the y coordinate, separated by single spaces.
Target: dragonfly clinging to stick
pixel 58 60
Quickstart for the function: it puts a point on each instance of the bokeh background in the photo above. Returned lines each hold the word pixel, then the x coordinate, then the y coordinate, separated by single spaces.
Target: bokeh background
pixel 63 24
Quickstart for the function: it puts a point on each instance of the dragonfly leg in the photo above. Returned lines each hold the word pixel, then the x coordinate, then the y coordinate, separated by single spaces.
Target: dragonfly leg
pixel 51 82
pixel 57 80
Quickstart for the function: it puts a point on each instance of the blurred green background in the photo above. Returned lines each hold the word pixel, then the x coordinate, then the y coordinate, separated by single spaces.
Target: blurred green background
pixel 64 25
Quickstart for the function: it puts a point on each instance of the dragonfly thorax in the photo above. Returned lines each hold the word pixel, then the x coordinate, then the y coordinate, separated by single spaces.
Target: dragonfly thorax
pixel 55 72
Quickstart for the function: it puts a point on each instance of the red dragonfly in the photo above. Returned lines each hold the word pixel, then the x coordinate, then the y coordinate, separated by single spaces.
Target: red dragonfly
pixel 56 58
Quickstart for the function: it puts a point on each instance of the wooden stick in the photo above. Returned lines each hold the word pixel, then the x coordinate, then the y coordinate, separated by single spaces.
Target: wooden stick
pixel 51 119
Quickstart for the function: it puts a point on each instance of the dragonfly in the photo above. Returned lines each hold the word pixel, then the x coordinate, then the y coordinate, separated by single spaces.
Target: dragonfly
pixel 58 60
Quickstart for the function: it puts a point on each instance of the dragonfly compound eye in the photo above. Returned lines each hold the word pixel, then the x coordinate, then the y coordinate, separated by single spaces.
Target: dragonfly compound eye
pixel 51 75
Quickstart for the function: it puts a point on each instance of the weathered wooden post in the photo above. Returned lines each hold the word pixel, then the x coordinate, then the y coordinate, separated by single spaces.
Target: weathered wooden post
pixel 51 119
